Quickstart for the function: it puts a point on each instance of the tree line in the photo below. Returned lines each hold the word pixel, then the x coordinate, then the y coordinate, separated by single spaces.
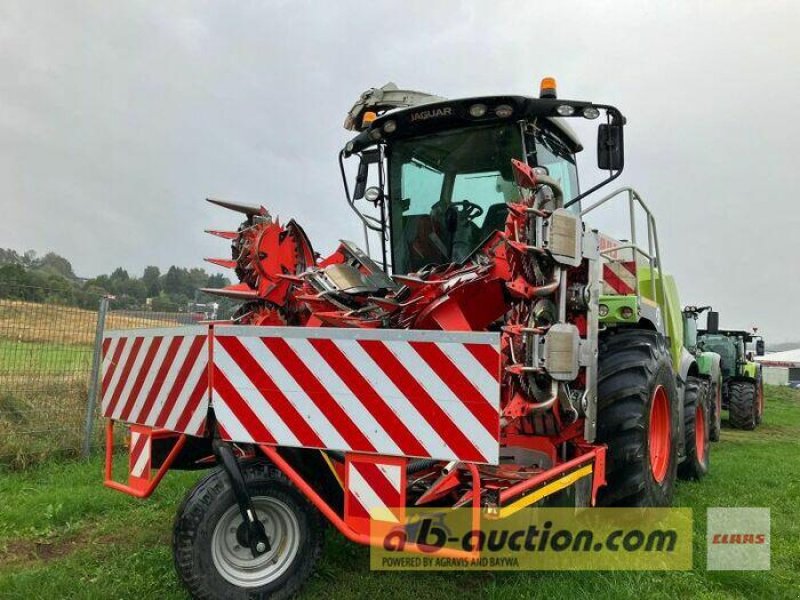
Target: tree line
pixel 51 278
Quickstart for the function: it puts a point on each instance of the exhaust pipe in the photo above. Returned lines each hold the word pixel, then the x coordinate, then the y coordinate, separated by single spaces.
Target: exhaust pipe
pixel 712 322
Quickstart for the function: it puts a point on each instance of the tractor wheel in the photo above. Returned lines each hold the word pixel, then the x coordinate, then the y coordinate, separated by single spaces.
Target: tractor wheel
pixel 715 405
pixel 210 547
pixel 696 418
pixel 637 418
pixel 760 398
pixel 743 404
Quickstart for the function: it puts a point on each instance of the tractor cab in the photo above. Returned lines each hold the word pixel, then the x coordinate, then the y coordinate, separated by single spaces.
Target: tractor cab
pixel 444 167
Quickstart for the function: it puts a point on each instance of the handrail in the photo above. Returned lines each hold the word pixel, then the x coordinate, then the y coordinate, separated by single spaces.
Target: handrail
pixel 654 252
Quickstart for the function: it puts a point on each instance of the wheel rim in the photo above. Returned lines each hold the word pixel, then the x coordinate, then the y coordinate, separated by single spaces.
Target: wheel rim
pixel 700 433
pixel 718 401
pixel 660 442
pixel 234 561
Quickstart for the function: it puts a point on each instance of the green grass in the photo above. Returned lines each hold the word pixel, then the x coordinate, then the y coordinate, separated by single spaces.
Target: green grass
pixel 43 395
pixel 62 535
pixel 26 358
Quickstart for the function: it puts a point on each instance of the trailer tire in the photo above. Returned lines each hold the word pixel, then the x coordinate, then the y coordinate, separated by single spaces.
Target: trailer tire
pixel 208 556
pixel 715 408
pixel 696 419
pixel 743 405
pixel 637 418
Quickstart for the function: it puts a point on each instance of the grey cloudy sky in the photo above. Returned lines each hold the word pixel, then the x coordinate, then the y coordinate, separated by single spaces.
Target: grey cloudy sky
pixel 118 118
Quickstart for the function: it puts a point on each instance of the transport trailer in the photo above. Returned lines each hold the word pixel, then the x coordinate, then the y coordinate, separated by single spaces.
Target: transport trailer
pixel 354 420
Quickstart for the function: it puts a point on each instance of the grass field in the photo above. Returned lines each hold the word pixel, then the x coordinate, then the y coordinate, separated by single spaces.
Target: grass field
pixel 46 354
pixel 62 535
pixel 52 323
pixel 35 358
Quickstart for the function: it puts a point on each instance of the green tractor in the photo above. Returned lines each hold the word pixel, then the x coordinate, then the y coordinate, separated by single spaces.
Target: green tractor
pixel 742 383
pixel 709 366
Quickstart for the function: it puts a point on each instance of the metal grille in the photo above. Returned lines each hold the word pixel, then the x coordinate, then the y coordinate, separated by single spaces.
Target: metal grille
pixel 46 357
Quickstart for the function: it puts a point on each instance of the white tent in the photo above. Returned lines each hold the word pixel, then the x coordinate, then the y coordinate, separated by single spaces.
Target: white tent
pixel 781 368
pixel 788 358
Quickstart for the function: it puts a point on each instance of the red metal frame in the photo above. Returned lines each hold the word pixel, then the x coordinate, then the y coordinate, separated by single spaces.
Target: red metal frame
pixel 596 455
pixel 146 488
pixel 361 538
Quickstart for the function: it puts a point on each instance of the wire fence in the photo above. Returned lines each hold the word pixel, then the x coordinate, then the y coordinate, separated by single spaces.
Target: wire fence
pixel 46 356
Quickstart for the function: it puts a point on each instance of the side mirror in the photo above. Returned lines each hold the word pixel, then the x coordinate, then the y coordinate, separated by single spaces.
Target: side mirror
pixel 361 179
pixel 712 324
pixel 610 147
pixel 368 157
pixel 760 348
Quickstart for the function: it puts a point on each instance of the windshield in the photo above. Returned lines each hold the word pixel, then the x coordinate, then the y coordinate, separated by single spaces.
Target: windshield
pixel 449 190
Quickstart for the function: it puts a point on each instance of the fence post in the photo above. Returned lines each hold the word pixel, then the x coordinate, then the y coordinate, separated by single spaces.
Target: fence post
pixel 94 378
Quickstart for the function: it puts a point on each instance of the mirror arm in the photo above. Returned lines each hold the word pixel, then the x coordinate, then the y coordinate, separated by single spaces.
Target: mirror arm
pixel 582 195
pixel 369 222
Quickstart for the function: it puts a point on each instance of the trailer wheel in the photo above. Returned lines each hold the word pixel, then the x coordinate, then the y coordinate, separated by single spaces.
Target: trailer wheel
pixel 210 548
pixel 743 405
pixel 715 405
pixel 637 418
pixel 696 419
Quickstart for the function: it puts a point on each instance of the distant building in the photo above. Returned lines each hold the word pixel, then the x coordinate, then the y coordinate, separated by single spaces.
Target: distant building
pixel 781 368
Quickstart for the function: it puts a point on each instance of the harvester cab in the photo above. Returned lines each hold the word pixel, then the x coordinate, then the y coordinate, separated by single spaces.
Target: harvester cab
pixel 743 387
pixel 443 169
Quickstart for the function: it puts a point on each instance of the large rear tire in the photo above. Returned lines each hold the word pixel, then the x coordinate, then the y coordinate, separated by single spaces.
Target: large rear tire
pixel 715 404
pixel 696 419
pixel 210 548
pixel 760 399
pixel 637 418
pixel 743 405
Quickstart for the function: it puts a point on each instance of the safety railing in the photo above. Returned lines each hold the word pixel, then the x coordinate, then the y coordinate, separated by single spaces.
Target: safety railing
pixel 653 252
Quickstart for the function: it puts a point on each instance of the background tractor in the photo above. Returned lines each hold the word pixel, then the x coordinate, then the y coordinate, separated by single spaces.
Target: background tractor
pixel 743 386
pixel 708 364
pixel 498 353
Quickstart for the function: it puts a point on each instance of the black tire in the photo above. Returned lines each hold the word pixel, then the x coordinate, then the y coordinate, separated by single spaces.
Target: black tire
pixel 759 399
pixel 695 465
pixel 199 547
pixel 633 364
pixel 743 405
pixel 715 406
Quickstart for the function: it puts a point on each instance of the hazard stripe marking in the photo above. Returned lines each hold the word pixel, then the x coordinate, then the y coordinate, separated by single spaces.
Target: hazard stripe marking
pixel 156 380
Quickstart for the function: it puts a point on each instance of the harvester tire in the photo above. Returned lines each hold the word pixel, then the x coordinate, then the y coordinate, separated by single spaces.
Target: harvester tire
pixel 637 418
pixel 743 405
pixel 213 560
pixel 715 405
pixel 696 419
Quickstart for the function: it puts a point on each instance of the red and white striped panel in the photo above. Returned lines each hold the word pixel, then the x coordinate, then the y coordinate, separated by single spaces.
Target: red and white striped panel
pixel 396 393
pixel 140 453
pixel 619 278
pixel 375 490
pixel 157 377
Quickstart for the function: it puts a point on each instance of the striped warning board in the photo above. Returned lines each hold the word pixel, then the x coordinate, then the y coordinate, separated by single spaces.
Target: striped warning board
pixel 157 377
pixel 140 452
pixel 375 488
pixel 619 278
pixel 396 393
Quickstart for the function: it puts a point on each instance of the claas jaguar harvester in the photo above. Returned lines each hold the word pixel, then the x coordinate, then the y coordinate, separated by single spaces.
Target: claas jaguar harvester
pixel 496 354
